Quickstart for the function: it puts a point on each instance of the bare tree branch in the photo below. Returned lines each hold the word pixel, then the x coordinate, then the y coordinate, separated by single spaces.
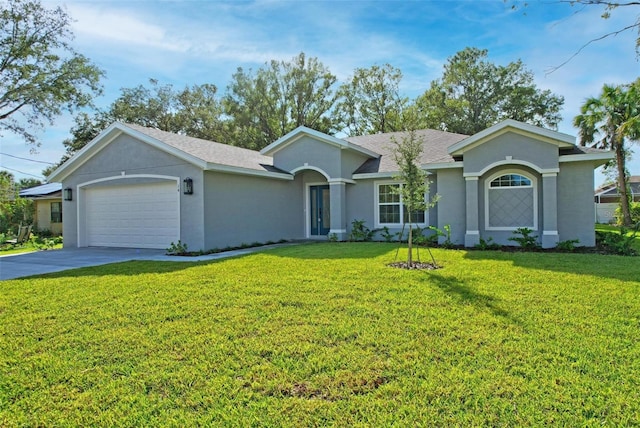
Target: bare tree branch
pixel 613 33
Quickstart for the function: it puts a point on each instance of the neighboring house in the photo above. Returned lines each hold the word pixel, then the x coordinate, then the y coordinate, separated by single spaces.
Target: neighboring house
pixel 607 199
pixel 138 187
pixel 47 204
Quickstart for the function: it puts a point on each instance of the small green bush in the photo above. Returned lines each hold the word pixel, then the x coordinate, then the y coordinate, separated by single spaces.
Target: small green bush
pixel 177 248
pixel 523 236
pixel 445 233
pixel 360 232
pixel 387 235
pixel 620 243
pixel 634 207
pixel 418 236
pixel 487 244
pixel 568 245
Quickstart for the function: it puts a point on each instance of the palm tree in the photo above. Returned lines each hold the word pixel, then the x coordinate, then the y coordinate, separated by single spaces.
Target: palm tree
pixel 614 118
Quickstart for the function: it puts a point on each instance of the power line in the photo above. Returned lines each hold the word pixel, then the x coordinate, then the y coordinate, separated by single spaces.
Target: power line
pixel 22 172
pixel 30 160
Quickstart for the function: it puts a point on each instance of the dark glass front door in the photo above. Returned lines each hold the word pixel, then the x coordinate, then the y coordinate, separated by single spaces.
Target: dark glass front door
pixel 320 210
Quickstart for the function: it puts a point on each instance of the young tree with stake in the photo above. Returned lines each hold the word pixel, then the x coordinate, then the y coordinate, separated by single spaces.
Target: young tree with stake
pixel 414 187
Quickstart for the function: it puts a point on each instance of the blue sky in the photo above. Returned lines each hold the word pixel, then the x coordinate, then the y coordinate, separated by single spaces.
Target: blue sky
pixel 196 42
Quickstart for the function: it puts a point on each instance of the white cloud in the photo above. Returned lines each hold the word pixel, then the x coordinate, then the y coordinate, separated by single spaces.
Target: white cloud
pixel 191 42
pixel 97 22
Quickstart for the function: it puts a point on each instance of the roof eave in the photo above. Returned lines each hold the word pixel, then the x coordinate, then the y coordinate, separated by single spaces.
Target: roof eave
pixel 384 174
pixel 247 171
pixel 598 158
pixel 442 165
pixel 303 131
pixel 105 137
pixel 561 139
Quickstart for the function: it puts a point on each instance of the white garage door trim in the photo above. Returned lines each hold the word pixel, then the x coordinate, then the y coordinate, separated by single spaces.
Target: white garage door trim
pixel 131 215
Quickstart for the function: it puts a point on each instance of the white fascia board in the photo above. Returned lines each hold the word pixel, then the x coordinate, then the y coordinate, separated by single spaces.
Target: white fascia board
pixel 369 175
pixel 389 174
pixel 587 157
pixel 87 152
pixel 341 181
pixel 246 171
pixel 559 138
pixel 107 136
pixel 302 131
pixel 442 165
pixel 602 192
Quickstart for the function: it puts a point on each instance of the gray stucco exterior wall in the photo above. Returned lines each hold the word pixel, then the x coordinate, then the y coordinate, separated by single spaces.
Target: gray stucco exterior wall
pixel 576 211
pixel 242 209
pixel 452 204
pixel 549 228
pixel 515 146
pixel 360 203
pixel 309 152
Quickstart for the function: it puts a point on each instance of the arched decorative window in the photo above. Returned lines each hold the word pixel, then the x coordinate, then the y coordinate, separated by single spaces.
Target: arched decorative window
pixel 511 201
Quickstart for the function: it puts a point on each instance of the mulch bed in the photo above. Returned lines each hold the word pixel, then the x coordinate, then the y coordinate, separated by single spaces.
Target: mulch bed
pixel 414 266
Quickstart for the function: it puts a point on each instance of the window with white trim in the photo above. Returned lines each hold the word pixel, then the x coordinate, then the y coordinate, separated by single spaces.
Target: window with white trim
pixel 56 212
pixel 511 201
pixel 390 209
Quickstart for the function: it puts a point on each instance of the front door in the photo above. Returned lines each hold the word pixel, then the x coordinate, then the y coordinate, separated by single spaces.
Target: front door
pixel 319 209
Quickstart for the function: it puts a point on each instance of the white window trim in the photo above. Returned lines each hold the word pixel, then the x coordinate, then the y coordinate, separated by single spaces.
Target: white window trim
pixel 376 191
pixel 488 188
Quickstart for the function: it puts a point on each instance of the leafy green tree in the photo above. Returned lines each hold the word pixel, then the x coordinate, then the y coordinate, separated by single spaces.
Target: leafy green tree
pixel 265 105
pixel 14 210
pixel 193 111
pixel 41 76
pixel 414 186
pixel 371 102
pixel 474 94
pixel 7 190
pixel 27 183
pixel 608 122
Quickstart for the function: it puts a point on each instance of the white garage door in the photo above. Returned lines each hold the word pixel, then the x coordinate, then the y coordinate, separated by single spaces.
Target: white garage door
pixel 134 216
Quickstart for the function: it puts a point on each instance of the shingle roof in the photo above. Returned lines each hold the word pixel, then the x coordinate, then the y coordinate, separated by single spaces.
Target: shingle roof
pixel 42 190
pixel 435 145
pixel 210 151
pixel 612 189
pixel 580 150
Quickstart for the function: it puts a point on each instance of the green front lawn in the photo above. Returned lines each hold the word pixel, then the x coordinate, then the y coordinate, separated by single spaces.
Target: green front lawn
pixel 616 229
pixel 326 334
pixel 35 243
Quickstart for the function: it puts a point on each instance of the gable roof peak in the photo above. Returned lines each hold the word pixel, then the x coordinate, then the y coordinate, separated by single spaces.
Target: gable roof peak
pixel 302 131
pixel 207 155
pixel 558 138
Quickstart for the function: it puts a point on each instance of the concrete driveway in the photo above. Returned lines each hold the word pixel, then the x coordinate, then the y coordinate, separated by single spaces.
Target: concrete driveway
pixel 40 262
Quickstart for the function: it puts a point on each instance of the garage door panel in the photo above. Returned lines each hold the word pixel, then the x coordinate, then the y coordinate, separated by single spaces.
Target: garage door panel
pixel 135 216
